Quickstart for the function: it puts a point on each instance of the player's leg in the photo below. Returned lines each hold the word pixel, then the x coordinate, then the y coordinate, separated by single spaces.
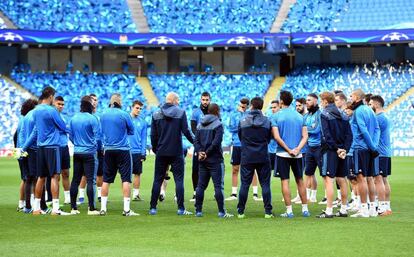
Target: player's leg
pixel 282 170
pixel 194 175
pixel 90 167
pixel 329 166
pixel 78 172
pixel 109 173
pixel 82 187
pixel 264 174
pixel 24 177
pixel 297 169
pixel 385 171
pixel 341 175
pixel 136 171
pixel 246 177
pixel 203 179
pixel 218 180
pixel 310 181
pixel 160 168
pixel 124 162
pixel 361 169
pixel 177 167
pixel 99 173
pixel 235 170
pixel 65 163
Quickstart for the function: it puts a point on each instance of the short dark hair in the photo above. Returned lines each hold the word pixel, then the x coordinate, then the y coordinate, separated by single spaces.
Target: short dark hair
pixel 47 92
pixel 27 106
pixel 301 100
pixel 275 102
pixel 367 97
pixel 313 95
pixel 256 103
pixel 205 93
pixel 244 100
pixel 378 99
pixel 86 104
pixel 338 91
pixel 92 95
pixel 286 97
pixel 59 98
pixel 214 109
pixel 137 102
pixel 342 96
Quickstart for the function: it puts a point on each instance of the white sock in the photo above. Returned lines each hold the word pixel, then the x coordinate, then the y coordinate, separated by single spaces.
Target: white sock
pixel 308 193
pixel 36 205
pixel 338 192
pixel 234 190
pixel 329 211
pixel 297 194
pixel 289 209
pixel 255 190
pixel 364 207
pixel 343 208
pixel 135 192
pixel 353 196
pixel 99 191
pixel 55 205
pixel 21 203
pixel 358 201
pixel 325 194
pixel 162 192
pixel 104 200
pixel 67 196
pixel 304 207
pixel 127 201
pixel 81 192
pixel 372 205
pixel 388 205
pixel 381 206
pixel 313 194
pixel 32 199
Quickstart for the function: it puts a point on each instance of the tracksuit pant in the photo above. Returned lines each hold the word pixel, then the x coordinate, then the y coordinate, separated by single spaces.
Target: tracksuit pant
pixel 215 171
pixel 84 164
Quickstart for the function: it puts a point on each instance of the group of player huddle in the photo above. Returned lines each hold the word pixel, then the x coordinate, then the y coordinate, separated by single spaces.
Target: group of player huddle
pixel 346 141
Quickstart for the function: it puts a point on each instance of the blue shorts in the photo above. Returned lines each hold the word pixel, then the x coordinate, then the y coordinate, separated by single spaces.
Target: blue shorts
pixel 235 155
pixel 385 166
pixel 136 164
pixel 24 167
pixel 48 161
pixel 283 166
pixel 64 157
pixel 350 167
pixel 114 161
pixel 32 161
pixel 312 160
pixel 332 165
pixel 364 163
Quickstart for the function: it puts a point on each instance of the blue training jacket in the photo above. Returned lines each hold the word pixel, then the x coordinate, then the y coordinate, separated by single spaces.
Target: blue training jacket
pixel 83 132
pixel 116 125
pixel 384 146
pixel 290 124
pixel 367 131
pixel 63 139
pixel 336 130
pixel 28 126
pixel 235 118
pixel 138 141
pixel 255 132
pixel 167 126
pixel 208 139
pixel 313 124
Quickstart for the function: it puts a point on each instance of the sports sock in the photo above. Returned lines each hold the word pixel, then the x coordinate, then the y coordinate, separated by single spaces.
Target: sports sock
pixel 338 192
pixel 343 208
pixel 135 192
pixel 329 210
pixel 358 200
pixel 81 192
pixel 55 205
pixel 313 194
pixel 364 207
pixel 104 200
pixel 304 207
pixel 388 205
pixel 234 190
pixel 353 196
pixel 289 209
pixel 372 205
pixel 32 199
pixel 127 201
pixel 36 205
pixel 308 193
pixel 21 203
pixel 99 191
pixel 67 196
pixel 255 190
pixel 162 192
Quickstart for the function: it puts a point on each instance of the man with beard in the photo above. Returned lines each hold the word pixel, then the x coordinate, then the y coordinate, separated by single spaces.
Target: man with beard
pixel 313 155
pixel 196 118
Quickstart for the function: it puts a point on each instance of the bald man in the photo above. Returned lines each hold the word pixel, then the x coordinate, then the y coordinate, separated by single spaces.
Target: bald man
pixel 167 126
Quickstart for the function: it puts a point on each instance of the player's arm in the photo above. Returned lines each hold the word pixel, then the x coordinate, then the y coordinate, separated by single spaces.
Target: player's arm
pixel 279 140
pixel 193 122
pixel 154 135
pixel 129 124
pixel 96 127
pixel 144 139
pixel 364 131
pixel 303 140
pixel 60 124
pixel 216 143
pixel 233 124
pixel 377 134
pixel 31 140
pixel 185 130
pixel 197 143
pixel 20 134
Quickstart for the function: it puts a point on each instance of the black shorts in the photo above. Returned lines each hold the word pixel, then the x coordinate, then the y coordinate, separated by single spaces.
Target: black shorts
pixel 349 160
pixel 385 166
pixel 235 155
pixel 332 165
pixel 48 161
pixel 136 163
pixel 24 167
pixel 32 162
pixel 272 158
pixel 114 161
pixel 312 160
pixel 100 155
pixel 284 164
pixel 64 157
pixel 364 163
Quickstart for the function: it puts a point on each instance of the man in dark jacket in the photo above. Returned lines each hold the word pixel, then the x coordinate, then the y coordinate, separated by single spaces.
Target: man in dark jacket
pixel 255 134
pixel 207 145
pixel 335 143
pixel 168 124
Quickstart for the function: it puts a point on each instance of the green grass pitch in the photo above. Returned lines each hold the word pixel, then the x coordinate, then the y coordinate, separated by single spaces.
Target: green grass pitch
pixel 167 234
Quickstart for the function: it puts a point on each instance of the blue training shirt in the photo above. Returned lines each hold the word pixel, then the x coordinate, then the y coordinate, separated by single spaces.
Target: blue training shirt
pixel 271 148
pixel 312 121
pixel 83 131
pixel 138 141
pixel 20 137
pixel 116 125
pixel 367 132
pixel 235 118
pixel 28 127
pixel 289 123
pixel 63 139
pixel 197 115
pixel 384 146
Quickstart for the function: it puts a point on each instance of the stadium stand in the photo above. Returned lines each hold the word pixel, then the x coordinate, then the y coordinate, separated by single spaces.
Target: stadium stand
pixel 2 24
pixel 349 15
pixel 402 132
pixel 225 90
pixel 210 16
pixel 11 99
pixel 70 15
pixel 389 80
